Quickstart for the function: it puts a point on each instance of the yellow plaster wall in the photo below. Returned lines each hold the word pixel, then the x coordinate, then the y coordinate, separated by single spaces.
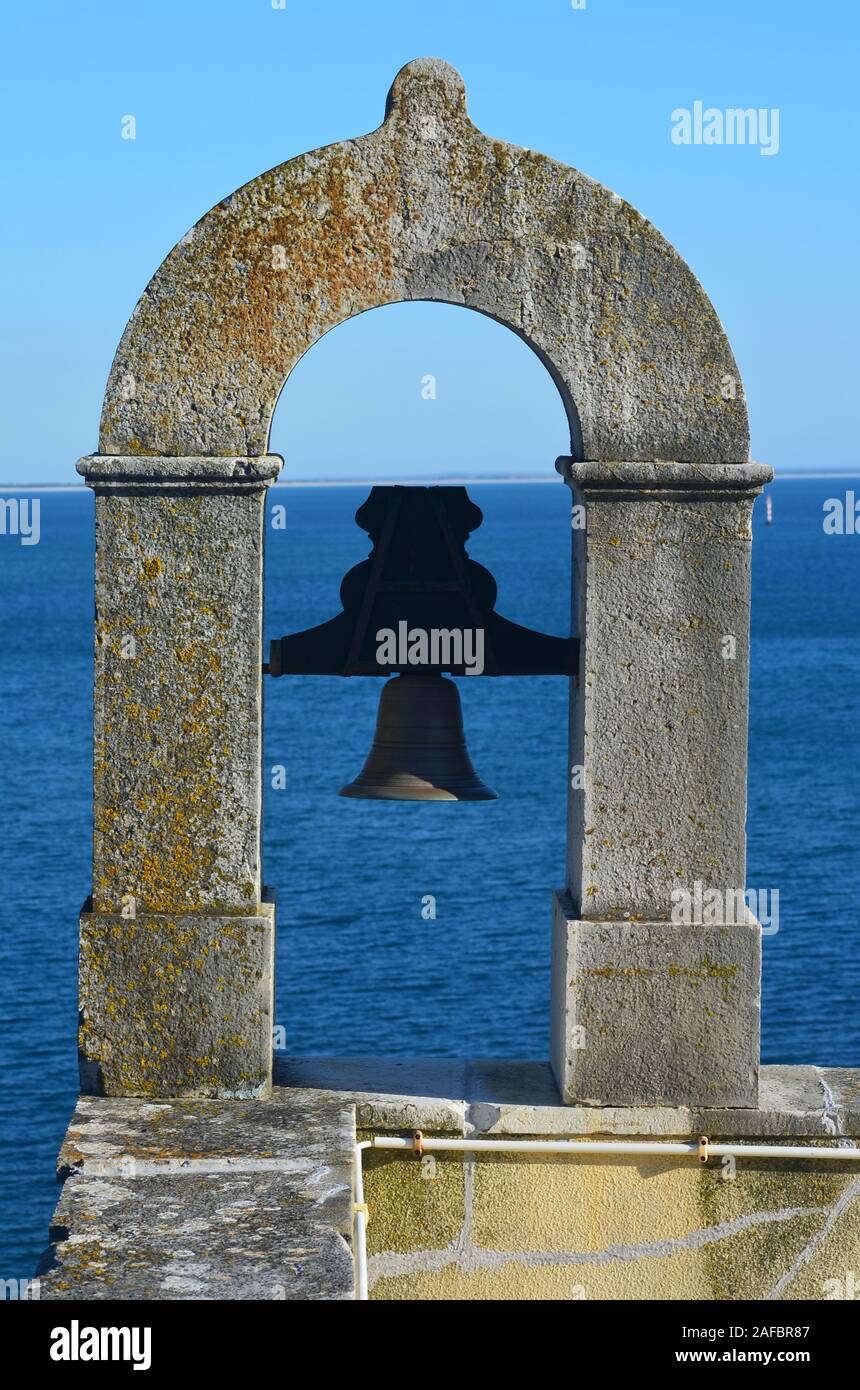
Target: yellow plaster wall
pixel 557 1227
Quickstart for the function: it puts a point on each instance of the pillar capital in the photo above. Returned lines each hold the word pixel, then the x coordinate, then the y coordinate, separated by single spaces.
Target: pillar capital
pixel 190 472
pixel 606 476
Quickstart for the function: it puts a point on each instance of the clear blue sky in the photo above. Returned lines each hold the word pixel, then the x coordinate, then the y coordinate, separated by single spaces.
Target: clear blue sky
pixel 222 89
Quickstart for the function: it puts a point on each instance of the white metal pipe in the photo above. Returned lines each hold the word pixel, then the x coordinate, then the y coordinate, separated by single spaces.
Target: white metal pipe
pixel 536 1146
pixel 606 1146
pixel 780 1151
pixel 360 1214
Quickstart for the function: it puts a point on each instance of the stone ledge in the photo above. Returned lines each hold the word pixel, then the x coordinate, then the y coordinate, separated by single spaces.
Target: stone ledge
pixel 608 475
pixel 388 1094
pixel 520 1098
pixel 105 1132
pixel 235 1236
pixel 230 1200
pixel 203 471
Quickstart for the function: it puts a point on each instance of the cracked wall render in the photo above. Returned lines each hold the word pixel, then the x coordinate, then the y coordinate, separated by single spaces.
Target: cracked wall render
pixel 541 1227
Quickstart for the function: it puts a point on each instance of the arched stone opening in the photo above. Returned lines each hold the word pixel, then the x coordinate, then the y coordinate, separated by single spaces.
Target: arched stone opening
pixel 378 861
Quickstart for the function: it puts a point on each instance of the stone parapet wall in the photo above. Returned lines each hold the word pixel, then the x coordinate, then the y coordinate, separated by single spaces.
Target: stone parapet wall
pixel 230 1199
pixel 532 1227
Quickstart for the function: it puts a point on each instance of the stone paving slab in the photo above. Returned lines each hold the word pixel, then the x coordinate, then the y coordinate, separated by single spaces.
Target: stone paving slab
pixel 302 1129
pixel 509 1097
pixel 388 1093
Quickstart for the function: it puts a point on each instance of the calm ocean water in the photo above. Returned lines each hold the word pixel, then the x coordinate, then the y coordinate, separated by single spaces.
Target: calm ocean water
pixel 359 970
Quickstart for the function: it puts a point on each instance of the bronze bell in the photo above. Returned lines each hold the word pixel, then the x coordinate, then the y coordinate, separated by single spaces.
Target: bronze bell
pixel 419 752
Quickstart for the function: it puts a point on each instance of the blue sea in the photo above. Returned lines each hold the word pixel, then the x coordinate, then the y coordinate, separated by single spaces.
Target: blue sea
pixel 360 970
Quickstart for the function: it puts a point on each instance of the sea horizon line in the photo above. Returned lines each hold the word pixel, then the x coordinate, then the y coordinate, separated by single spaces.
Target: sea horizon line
pixel 428 480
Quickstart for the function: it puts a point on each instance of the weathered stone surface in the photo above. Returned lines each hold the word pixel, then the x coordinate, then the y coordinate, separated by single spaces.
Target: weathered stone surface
pixel 792 1101
pixel 655 1012
pixel 841 1086
pixel 253 1199
pixel 657 799
pixel 192 1236
pixel 177 954
pixel 376 1088
pixel 315 1132
pixel 176 1004
pixel 204 1200
pixel 178 658
pixel 409 1210
pixel 659 719
pixel 427 207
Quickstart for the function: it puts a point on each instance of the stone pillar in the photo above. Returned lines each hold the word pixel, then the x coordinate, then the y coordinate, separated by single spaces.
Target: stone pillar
pixel 648 1008
pixel 177 941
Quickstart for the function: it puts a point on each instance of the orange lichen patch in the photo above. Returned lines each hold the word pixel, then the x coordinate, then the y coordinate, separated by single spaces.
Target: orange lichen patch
pixel 324 254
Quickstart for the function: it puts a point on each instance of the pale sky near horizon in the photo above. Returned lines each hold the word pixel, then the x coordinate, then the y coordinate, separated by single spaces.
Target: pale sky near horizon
pixel 223 89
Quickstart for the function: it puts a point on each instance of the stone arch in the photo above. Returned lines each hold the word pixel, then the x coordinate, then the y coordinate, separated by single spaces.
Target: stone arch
pixel 427 207
pixel 424 208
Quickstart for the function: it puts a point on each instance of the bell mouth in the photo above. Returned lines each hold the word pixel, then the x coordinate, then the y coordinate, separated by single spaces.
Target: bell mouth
pixel 409 788
pixel 419 750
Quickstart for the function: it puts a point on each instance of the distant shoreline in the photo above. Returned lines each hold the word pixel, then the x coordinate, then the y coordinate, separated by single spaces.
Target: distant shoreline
pixel 454 481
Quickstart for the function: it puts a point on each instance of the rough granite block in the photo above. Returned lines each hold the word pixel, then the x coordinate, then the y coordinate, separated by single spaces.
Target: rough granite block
pixel 177 695
pixel 176 1005
pixel 655 1013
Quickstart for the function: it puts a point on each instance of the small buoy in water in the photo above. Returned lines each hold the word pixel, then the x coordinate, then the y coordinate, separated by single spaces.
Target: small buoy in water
pixel 768 510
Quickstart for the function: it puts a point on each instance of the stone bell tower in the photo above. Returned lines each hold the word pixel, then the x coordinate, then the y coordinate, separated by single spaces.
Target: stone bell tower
pixel 177 942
